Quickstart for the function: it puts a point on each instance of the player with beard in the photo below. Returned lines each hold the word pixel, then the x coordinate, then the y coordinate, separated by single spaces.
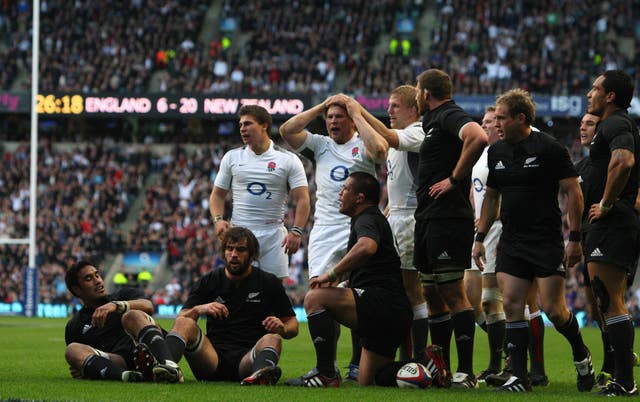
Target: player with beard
pixel 444 217
pixel 248 313
pixel 100 337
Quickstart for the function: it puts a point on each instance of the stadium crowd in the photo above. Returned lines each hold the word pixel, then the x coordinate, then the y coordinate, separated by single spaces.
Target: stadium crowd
pixel 84 193
pixel 487 46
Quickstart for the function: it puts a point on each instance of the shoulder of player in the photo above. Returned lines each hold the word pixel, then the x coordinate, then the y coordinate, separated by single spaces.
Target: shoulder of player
pixel 615 122
pixel 283 152
pixel 234 153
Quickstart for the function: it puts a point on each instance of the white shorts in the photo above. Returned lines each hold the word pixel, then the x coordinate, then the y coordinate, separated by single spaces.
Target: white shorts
pixel 327 246
pixel 272 259
pixel 403 226
pixel 491 249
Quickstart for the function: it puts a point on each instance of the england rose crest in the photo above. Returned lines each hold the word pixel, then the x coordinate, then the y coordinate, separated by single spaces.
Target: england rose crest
pixel 355 152
pixel 271 166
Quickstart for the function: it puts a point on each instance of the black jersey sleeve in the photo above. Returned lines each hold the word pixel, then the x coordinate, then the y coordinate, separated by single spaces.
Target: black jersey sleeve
pixel 204 291
pixel 280 300
pixel 455 119
pixel 366 226
pixel 561 161
pixel 619 133
pixel 128 293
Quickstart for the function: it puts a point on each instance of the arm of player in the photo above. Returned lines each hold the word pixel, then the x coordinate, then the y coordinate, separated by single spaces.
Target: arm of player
pixel 286 327
pixel 620 165
pixel 300 197
pixel 390 135
pixel 474 141
pixel 364 248
pixel 575 206
pixel 214 309
pixel 375 145
pixel 488 214
pixel 99 317
pixel 292 130
pixel 216 207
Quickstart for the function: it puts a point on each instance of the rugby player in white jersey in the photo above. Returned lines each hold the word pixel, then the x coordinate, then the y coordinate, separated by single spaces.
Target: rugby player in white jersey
pixel 336 155
pixel 260 176
pixel 404 138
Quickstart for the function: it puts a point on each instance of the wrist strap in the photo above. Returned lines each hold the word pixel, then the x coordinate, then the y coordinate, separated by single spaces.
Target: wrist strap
pixel 121 306
pixel 296 230
pixel 480 236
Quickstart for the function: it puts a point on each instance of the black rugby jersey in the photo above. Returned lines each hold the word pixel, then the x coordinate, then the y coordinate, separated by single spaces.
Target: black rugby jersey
pixel 618 131
pixel 439 155
pixel 249 301
pixel 383 268
pixel 111 338
pixel 527 175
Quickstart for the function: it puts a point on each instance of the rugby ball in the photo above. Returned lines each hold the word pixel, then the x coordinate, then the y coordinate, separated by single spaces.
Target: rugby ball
pixel 413 375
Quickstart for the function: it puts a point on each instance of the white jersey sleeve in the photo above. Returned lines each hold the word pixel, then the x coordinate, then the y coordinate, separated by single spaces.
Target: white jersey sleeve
pixel 410 138
pixel 334 163
pixel 479 176
pixel 402 168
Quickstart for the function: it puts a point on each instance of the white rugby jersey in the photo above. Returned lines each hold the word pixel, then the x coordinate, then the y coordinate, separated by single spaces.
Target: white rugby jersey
pixel 260 184
pixel 334 162
pixel 402 167
pixel 479 176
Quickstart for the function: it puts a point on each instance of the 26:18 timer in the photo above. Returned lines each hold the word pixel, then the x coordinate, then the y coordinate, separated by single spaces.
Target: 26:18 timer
pixel 67 104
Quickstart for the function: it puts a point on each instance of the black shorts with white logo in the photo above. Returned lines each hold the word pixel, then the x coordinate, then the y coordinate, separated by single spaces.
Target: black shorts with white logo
pixel 615 245
pixel 384 319
pixel 443 243
pixel 525 268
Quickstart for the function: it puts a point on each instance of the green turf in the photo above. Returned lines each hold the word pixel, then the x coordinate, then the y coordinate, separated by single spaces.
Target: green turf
pixel 32 367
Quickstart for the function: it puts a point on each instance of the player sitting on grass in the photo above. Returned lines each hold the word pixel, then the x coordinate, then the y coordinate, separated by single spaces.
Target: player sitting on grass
pixel 100 336
pixel 248 313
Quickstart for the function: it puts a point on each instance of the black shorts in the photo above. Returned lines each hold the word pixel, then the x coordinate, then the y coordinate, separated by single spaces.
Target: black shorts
pixel 525 269
pixel 228 363
pixel 443 243
pixel 384 319
pixel 613 245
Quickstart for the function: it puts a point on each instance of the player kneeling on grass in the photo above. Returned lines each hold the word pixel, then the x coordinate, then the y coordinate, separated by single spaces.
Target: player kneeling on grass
pixel 248 313
pixel 100 337
pixel 375 305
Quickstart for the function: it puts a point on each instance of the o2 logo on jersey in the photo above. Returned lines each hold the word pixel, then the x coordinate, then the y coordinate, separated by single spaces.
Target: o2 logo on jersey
pixel 256 188
pixel 271 166
pixel 339 173
pixel 478 186
pixel 355 152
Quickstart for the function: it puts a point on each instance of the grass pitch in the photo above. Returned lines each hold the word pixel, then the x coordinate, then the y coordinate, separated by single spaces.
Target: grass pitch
pixel 32 367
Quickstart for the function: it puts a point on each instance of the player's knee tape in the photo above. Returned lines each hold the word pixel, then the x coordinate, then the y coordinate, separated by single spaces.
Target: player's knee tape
pixel 601 294
pixel 495 317
pixel 491 295
pixel 427 279
pixel 197 346
pixel 440 278
pixel 448 277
